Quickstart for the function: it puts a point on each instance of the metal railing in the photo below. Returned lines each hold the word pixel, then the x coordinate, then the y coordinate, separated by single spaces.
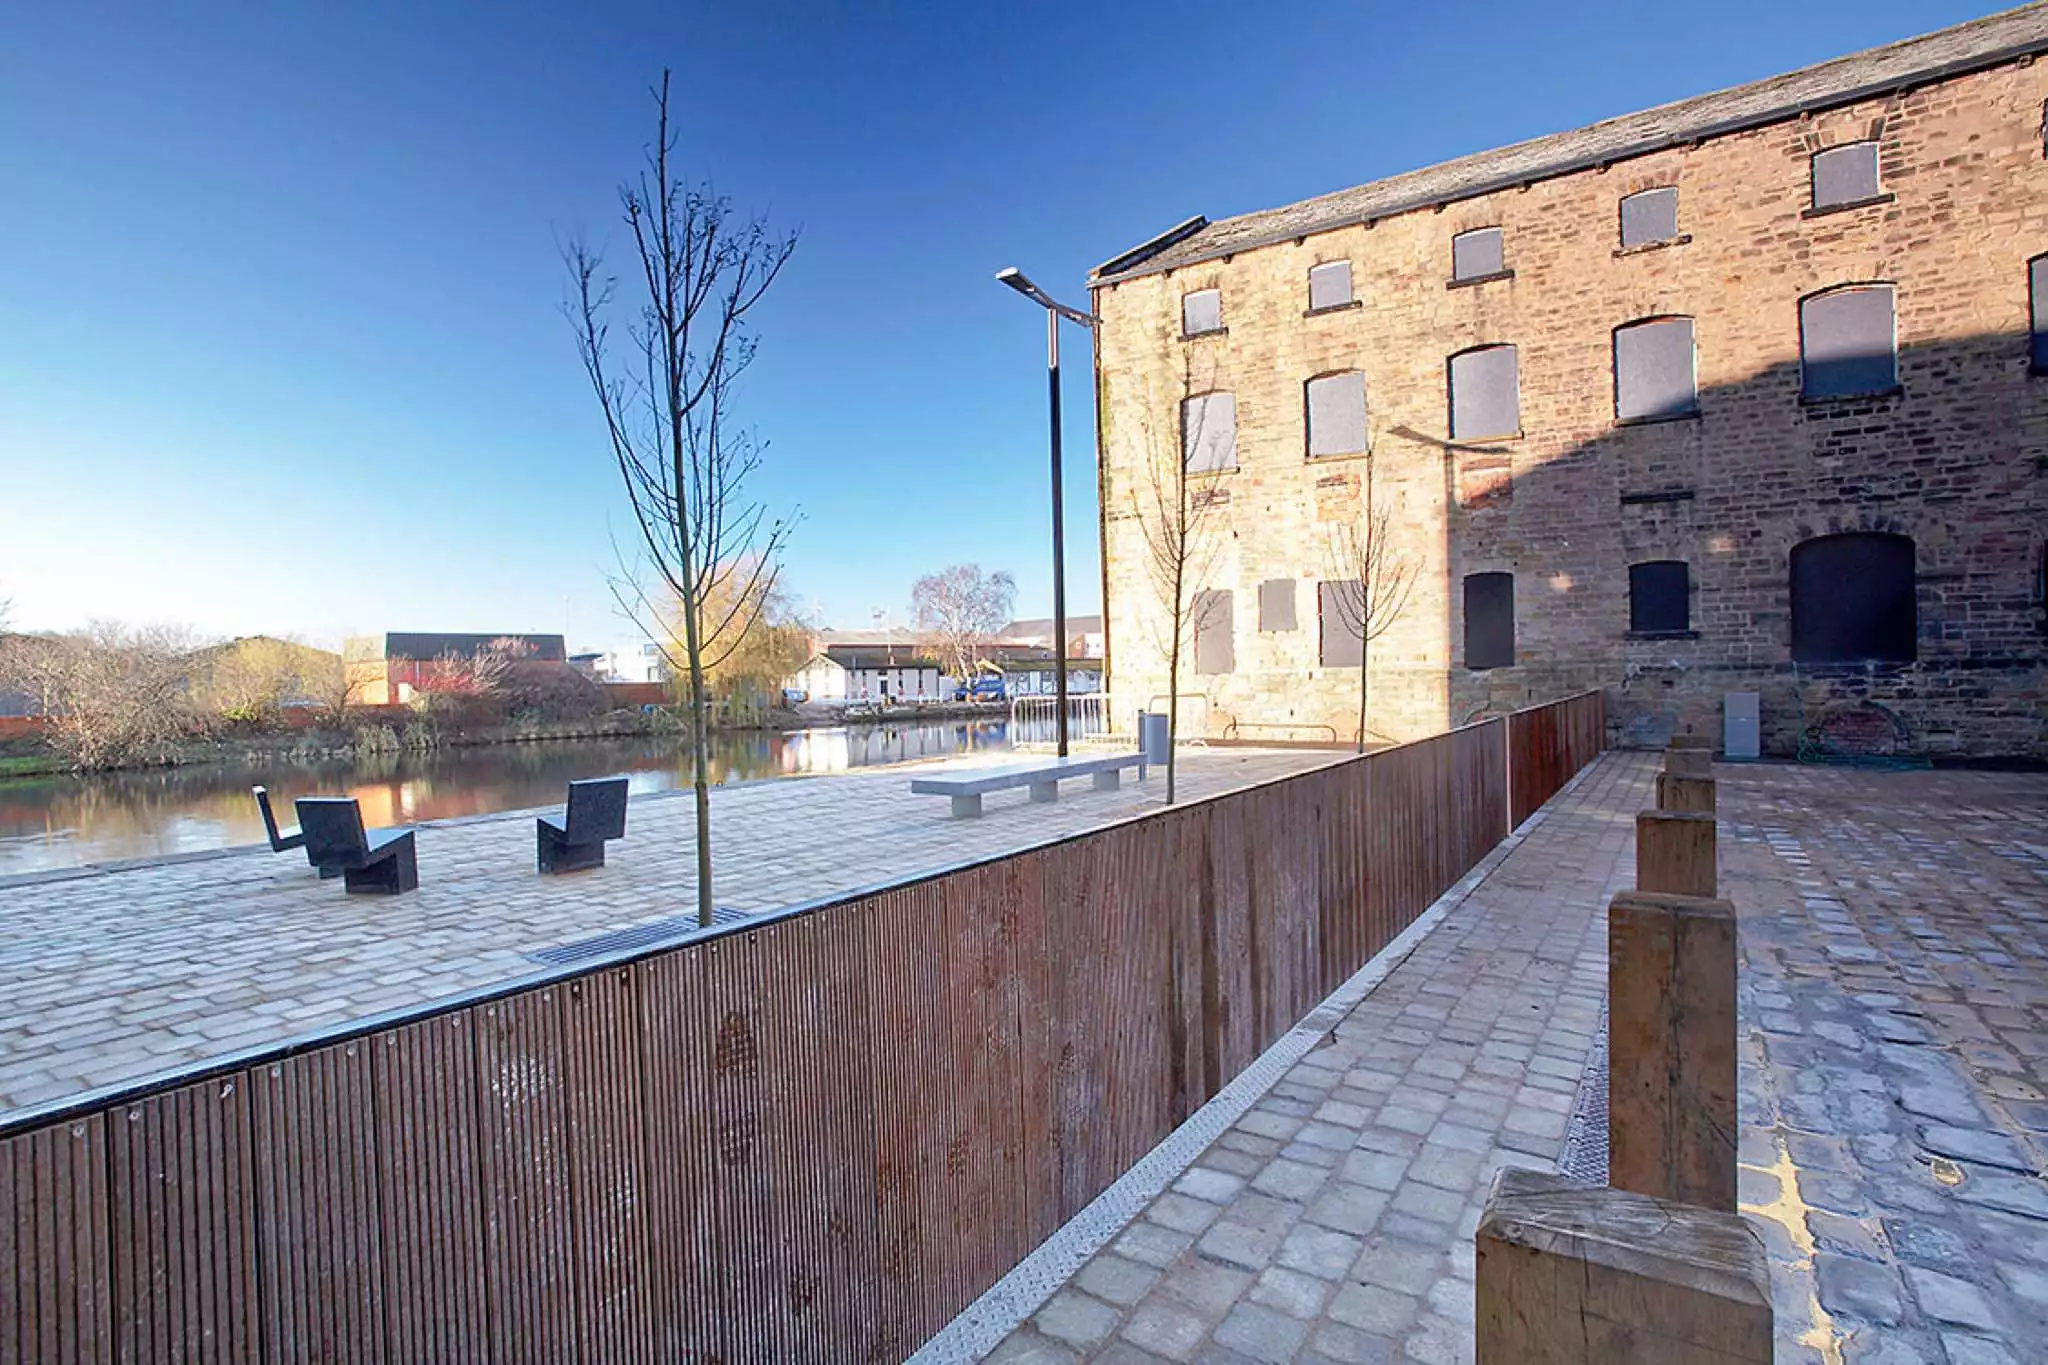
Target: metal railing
pixel 1087 714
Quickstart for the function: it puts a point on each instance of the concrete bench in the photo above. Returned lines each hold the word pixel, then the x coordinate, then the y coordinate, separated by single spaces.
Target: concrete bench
pixel 1043 778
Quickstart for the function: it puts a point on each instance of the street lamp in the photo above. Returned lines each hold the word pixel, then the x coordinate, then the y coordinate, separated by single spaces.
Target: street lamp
pixel 1054 311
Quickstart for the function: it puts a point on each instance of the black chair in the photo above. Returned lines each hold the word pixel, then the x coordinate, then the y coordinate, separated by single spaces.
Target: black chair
pixel 283 841
pixel 280 841
pixel 381 862
pixel 597 812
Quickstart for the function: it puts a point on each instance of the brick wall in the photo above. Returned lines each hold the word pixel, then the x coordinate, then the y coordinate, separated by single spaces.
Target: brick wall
pixel 1955 460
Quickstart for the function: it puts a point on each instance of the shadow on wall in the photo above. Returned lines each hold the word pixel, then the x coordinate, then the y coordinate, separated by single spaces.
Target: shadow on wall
pixel 1862 545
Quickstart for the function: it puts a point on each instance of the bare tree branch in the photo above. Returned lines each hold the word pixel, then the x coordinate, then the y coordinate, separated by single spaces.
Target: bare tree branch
pixel 1369 581
pixel 683 459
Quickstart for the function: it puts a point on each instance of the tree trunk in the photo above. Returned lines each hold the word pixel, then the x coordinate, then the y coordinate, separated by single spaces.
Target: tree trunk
pixel 1172 710
pixel 700 783
pixel 1364 682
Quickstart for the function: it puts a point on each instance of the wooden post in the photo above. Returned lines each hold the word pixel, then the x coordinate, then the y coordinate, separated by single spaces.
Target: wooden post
pixel 1689 762
pixel 1678 792
pixel 1572 1276
pixel 1692 741
pixel 1675 853
pixel 1671 1091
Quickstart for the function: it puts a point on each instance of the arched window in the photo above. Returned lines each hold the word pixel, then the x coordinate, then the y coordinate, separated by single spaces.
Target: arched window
pixel 1845 176
pixel 1853 599
pixel 1848 342
pixel 1486 394
pixel 1329 286
pixel 2037 309
pixel 1480 254
pixel 1208 432
pixel 1336 414
pixel 1653 369
pixel 1650 217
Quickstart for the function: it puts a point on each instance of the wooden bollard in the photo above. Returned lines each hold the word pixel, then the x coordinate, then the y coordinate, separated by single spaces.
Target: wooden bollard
pixel 1570 1276
pixel 1675 853
pixel 1671 1093
pixel 1680 793
pixel 1689 762
pixel 1691 741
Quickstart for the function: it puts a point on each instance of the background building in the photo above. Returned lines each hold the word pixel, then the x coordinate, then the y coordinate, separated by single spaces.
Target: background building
pixel 1742 393
pixel 385 670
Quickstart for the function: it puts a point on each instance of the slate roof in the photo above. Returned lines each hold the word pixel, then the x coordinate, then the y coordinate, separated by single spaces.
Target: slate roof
pixel 423 645
pixel 1956 51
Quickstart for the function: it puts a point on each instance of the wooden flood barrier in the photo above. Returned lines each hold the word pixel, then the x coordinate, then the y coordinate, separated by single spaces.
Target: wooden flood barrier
pixel 814 1136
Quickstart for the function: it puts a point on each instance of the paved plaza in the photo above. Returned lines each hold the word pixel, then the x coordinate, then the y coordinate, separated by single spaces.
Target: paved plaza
pixel 111 976
pixel 1894 1026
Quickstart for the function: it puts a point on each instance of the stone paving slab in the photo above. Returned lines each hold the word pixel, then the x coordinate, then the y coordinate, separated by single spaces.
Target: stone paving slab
pixel 118 975
pixel 1334 1221
pixel 1895 1056
pixel 1894 1103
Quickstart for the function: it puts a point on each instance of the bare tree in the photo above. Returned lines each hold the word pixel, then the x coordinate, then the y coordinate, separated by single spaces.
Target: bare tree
pixel 1369 581
pixel 1173 513
pixel 115 696
pixel 965 608
pixel 684 460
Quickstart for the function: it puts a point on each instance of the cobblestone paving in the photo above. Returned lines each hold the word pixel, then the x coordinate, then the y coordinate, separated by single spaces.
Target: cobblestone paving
pixel 1895 1069
pixel 1894 1022
pixel 117 975
pixel 1334 1222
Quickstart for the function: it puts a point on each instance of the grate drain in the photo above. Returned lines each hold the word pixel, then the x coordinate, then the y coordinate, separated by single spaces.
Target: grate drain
pixel 1583 1159
pixel 674 928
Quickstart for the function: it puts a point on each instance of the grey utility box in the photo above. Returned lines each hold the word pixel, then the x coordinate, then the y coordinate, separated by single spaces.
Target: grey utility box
pixel 1153 737
pixel 1741 726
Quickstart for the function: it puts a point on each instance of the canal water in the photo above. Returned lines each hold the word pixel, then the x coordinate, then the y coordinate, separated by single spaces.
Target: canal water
pixel 53 822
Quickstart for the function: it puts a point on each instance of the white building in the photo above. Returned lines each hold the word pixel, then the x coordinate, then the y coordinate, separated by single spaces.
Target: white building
pixel 881 667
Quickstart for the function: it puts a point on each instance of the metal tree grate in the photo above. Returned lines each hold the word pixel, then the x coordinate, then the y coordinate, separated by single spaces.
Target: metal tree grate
pixel 674 928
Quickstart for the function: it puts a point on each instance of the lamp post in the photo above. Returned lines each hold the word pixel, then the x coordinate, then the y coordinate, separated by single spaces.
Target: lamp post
pixel 1054 311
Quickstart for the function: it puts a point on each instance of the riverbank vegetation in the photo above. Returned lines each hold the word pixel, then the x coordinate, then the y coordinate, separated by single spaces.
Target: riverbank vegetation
pixel 114 696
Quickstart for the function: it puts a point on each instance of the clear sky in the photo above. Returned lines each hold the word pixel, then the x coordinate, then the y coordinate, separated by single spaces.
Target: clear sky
pixel 279 341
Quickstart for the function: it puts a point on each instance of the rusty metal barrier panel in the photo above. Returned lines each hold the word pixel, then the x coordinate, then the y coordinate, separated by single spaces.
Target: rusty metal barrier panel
pixel 1547 744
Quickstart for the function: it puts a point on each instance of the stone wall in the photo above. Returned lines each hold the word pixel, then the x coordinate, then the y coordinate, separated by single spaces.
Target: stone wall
pixel 1955 460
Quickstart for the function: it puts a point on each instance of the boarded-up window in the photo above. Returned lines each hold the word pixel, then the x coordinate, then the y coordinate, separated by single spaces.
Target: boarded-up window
pixel 1845 175
pixel 1340 606
pixel 1847 342
pixel 1489 620
pixel 1329 285
pixel 2037 297
pixel 1201 311
pixel 1477 254
pixel 1215 652
pixel 1486 398
pixel 1659 596
pixel 1336 414
pixel 1852 599
pixel 1653 369
pixel 1276 604
pixel 1208 431
pixel 1650 217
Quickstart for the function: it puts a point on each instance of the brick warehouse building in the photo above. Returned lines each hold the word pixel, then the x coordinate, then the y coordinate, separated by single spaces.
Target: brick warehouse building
pixel 1747 392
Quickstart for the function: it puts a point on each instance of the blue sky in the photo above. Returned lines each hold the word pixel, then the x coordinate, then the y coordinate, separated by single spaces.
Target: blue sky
pixel 279 341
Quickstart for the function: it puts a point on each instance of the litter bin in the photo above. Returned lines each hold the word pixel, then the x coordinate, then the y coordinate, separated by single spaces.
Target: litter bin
pixel 1153 738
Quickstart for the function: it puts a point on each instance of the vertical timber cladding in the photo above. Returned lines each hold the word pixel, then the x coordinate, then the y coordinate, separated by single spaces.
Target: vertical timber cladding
pixel 1548 744
pixel 55 1288
pixel 818 1139
pixel 180 1178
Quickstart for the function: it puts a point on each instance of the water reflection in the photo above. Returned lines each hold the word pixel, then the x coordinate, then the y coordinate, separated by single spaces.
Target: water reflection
pixel 65 821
